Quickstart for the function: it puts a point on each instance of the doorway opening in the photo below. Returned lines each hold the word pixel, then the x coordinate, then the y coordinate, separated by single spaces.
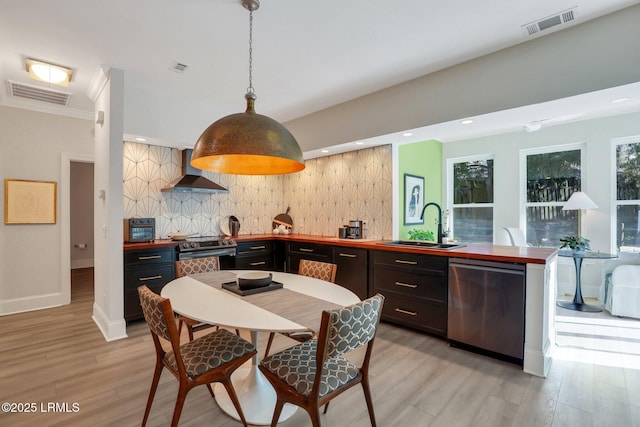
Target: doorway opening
pixel 81 215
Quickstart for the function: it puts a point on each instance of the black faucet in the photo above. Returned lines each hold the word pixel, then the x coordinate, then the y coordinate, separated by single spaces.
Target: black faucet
pixel 440 233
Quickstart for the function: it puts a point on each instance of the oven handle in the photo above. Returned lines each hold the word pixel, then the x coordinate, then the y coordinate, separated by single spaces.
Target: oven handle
pixel 203 254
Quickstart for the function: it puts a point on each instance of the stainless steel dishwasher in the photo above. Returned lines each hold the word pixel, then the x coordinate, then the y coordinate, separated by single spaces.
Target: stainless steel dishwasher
pixel 486 305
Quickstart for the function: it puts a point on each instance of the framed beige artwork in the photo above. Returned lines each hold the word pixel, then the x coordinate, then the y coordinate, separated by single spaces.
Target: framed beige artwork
pixel 29 202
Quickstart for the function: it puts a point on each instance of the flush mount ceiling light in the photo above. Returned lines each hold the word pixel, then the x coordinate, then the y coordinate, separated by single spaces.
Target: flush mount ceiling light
pixel 48 73
pixel 466 121
pixel 248 143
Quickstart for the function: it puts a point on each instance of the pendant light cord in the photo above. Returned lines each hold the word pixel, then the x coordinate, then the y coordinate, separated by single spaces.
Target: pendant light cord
pixel 250 88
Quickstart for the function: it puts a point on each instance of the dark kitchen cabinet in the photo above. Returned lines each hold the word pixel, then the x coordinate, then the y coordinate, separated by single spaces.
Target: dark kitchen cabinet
pixel 152 267
pixel 415 287
pixel 352 271
pixel 302 250
pixel 254 255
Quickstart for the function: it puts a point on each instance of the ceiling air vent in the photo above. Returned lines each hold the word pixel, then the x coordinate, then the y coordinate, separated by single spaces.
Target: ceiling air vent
pixel 179 67
pixel 39 94
pixel 563 17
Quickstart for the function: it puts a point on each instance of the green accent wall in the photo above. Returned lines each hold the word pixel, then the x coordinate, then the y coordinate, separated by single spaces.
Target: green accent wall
pixel 421 159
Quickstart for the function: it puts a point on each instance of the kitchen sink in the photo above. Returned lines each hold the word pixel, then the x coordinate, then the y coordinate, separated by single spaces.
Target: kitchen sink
pixel 423 244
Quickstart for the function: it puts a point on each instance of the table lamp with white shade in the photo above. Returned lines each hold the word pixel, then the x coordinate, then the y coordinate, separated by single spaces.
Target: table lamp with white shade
pixel 579 201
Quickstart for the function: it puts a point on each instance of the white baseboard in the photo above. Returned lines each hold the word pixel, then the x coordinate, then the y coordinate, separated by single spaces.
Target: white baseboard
pixel 38 302
pixel 111 330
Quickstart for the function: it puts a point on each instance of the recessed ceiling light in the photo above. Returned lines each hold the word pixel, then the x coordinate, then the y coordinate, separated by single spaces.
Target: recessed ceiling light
pixel 359 143
pixel 324 151
pixel 141 139
pixel 48 73
pixel 407 134
pixel 467 122
pixel 619 100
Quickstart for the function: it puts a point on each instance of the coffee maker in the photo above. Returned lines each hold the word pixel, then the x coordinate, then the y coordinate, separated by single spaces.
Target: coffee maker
pixel 355 229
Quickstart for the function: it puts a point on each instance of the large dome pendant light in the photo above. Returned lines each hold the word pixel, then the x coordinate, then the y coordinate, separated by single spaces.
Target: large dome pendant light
pixel 248 143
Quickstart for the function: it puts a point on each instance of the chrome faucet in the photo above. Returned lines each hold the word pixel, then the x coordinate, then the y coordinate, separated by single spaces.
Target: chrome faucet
pixel 440 233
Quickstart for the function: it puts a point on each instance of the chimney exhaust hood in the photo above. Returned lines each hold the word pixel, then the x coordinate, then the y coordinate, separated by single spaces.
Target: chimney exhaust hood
pixel 192 180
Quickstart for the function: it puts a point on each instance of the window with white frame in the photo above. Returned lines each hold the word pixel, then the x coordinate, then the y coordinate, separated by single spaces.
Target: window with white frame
pixel 627 198
pixel 471 183
pixel 552 176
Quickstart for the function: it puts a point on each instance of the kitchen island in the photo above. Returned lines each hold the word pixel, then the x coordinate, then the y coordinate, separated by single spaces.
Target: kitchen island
pixel 540 279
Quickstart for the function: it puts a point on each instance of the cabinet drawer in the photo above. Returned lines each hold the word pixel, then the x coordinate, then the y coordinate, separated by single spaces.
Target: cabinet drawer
pixel 149 256
pixel 430 287
pixel 426 316
pixel 152 277
pixel 260 262
pixel 411 261
pixel 310 249
pixel 132 308
pixel 252 248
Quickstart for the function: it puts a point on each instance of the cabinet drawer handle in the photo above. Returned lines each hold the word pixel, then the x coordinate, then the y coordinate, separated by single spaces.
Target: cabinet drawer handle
pixel 255 248
pixel 257 263
pixel 142 279
pixel 348 255
pixel 150 257
pixel 406 285
pixel 401 261
pixel 410 313
pixel 306 250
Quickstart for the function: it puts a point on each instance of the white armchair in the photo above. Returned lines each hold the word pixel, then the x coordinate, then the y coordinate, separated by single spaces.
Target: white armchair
pixel 623 296
pixel 515 236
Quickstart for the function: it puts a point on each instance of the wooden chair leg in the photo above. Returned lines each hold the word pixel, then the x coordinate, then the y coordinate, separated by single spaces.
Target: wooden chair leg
pixel 238 332
pixel 190 331
pixel 326 407
pixel 211 390
pixel 271 335
pixel 276 412
pixel 177 410
pixel 367 397
pixel 152 392
pixel 314 413
pixel 234 399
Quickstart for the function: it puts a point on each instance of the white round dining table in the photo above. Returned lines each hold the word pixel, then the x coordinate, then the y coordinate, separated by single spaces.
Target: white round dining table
pixel 201 298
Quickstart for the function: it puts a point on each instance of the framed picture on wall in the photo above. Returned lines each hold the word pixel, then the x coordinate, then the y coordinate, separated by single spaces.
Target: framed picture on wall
pixel 413 199
pixel 29 202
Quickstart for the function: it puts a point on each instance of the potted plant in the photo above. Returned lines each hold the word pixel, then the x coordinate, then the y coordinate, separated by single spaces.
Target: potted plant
pixel 416 234
pixel 575 243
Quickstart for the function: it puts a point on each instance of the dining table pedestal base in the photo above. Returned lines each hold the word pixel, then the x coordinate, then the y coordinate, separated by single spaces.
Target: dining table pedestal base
pixel 256 395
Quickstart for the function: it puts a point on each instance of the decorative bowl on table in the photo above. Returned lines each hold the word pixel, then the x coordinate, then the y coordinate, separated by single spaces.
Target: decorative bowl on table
pixel 253 279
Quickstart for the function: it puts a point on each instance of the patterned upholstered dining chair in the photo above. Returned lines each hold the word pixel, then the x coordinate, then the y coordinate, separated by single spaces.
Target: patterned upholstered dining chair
pixel 194 266
pixel 295 374
pixel 318 270
pixel 210 358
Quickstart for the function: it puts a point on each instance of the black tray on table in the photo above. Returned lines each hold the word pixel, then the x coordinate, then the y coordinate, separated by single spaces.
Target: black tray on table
pixel 233 287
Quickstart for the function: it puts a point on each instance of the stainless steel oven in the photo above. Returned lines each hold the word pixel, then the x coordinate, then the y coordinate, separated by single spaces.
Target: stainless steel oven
pixel 202 247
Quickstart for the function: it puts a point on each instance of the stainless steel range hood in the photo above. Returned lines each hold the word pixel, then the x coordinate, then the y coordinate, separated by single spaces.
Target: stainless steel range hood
pixel 192 180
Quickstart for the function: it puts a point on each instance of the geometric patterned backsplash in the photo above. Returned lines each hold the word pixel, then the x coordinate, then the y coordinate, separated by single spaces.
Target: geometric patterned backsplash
pixel 325 195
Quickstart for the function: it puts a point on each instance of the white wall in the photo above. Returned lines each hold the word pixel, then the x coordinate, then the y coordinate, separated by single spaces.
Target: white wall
pixel 31 147
pixel 597 174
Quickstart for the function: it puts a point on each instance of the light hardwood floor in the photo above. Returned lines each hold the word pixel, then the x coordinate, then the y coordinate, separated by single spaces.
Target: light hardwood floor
pixel 58 355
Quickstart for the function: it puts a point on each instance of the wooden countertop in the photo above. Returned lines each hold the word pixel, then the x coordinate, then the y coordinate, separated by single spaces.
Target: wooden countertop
pixel 149 245
pixel 523 255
